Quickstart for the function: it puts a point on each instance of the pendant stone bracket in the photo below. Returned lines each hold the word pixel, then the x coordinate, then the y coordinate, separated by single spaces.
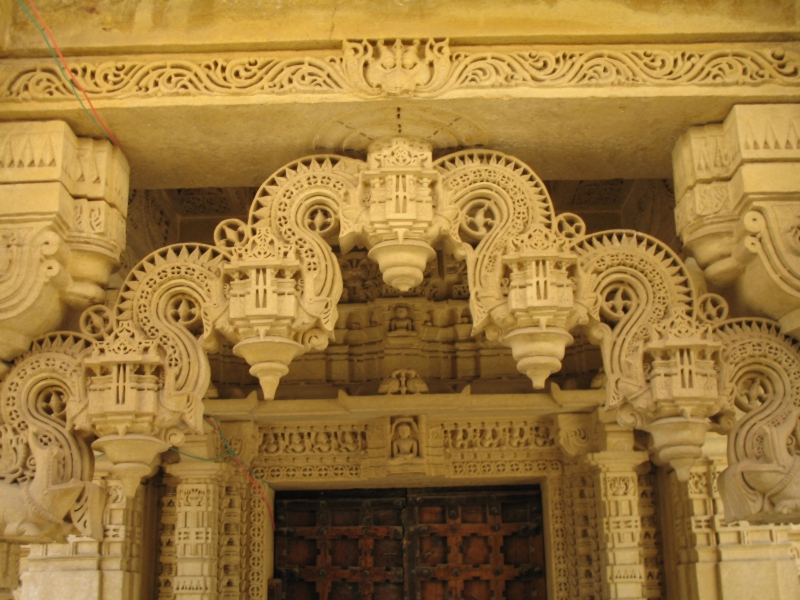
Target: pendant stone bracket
pixel 401 189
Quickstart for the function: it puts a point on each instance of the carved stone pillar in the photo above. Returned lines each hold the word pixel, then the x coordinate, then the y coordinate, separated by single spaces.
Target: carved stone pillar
pixel 711 560
pixel 9 569
pixel 617 477
pixel 85 569
pixel 197 511
pixel 611 476
pixel 737 187
pixel 63 203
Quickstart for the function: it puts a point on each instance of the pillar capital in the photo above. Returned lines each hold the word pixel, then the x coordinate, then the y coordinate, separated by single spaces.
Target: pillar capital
pixel 737 190
pixel 63 203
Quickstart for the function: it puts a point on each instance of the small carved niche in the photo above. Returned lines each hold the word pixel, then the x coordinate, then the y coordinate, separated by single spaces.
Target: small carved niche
pixel 405 440
pixel 402 321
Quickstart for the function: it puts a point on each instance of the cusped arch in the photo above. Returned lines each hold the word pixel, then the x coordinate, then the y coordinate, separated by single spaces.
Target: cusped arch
pixel 627 282
pixel 498 198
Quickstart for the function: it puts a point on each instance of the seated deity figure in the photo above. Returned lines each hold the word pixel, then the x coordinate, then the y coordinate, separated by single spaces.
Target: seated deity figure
pixel 349 441
pixel 323 442
pixel 272 443
pixel 401 322
pixel 296 444
pixel 518 437
pixel 490 438
pixel 404 446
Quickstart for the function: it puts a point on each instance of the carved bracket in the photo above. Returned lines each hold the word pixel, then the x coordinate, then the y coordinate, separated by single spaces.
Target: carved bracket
pixel 738 206
pixel 63 202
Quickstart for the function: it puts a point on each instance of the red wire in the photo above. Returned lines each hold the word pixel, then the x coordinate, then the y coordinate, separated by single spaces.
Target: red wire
pixel 71 74
pixel 249 476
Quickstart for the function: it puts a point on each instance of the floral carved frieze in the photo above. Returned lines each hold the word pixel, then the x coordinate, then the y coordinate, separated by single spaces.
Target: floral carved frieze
pixel 420 68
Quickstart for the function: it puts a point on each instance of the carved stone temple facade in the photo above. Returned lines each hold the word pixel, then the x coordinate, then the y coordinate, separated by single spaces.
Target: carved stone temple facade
pixel 401 299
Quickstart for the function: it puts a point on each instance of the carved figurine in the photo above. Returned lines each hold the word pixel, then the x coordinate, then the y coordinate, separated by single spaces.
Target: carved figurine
pixel 298 444
pixel 404 446
pixel 324 442
pixel 401 321
pixel 518 437
pixel 349 442
pixel 272 443
pixel 490 438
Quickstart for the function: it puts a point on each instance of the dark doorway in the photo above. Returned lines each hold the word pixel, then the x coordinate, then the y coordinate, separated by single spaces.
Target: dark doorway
pixel 415 544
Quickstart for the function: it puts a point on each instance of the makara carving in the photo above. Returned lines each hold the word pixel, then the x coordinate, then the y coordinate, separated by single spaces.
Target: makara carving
pixel 763 382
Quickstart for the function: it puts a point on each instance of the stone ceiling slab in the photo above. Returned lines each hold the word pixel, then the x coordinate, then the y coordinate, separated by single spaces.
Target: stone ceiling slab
pixel 185 143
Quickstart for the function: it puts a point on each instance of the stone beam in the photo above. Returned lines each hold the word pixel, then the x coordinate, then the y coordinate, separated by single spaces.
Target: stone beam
pixel 183 25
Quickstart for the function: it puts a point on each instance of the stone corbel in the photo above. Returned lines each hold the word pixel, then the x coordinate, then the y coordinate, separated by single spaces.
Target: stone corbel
pixel 737 186
pixel 46 468
pixel 284 280
pixel 63 203
pixel 580 433
pixel 146 371
pixel 519 262
pixel 655 334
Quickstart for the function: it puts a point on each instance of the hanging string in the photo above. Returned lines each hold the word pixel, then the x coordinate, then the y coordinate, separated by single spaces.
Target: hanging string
pixel 66 72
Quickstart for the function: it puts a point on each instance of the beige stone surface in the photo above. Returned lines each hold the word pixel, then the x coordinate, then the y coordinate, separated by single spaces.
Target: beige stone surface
pixel 182 24
pixel 659 362
pixel 566 134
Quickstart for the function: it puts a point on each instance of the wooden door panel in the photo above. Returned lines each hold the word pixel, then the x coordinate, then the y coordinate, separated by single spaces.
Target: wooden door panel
pixel 424 545
pixel 340 548
pixel 475 545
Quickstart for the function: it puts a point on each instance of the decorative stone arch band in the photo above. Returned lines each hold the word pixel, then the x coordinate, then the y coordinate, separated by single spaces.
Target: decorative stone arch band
pixel 137 375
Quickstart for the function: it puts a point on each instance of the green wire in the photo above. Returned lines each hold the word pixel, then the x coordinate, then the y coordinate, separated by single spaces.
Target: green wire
pixel 63 74
pixel 200 457
pixel 232 452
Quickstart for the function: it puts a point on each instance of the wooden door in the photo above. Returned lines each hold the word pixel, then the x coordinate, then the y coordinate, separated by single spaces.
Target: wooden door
pixel 410 545
pixel 475 545
pixel 340 548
